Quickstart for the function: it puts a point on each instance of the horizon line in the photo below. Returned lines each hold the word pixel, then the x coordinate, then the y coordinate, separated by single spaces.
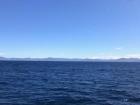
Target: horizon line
pixel 70 58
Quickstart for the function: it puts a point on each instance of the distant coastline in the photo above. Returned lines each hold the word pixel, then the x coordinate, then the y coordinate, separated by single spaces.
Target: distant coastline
pixel 71 59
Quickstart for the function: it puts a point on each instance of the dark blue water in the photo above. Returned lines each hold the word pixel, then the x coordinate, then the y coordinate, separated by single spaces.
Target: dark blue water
pixel 69 83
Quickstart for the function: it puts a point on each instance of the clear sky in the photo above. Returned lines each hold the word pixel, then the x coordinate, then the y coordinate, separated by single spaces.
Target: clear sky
pixel 70 28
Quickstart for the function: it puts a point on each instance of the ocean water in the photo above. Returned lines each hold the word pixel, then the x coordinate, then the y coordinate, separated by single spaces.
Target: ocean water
pixel 69 83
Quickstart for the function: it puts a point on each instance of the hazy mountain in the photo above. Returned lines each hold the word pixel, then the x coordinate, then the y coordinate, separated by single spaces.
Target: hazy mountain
pixel 71 59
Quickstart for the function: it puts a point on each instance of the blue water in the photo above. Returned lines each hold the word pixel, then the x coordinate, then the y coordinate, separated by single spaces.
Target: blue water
pixel 69 83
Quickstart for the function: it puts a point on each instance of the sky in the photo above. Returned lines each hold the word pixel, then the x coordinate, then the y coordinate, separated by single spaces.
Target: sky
pixel 70 28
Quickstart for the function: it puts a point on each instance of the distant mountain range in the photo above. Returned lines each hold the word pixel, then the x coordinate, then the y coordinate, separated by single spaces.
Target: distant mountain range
pixel 71 59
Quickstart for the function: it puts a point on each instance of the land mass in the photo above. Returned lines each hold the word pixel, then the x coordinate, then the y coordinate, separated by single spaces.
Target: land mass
pixel 71 59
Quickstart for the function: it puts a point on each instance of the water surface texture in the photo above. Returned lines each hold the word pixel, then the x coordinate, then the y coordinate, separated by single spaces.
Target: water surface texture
pixel 69 83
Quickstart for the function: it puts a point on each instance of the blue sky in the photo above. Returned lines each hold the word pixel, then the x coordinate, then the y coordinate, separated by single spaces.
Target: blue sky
pixel 70 28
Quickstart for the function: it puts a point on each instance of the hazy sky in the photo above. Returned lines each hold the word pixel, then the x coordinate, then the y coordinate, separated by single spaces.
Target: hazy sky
pixel 70 28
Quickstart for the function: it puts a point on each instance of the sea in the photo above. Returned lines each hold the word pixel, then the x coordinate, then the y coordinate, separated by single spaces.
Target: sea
pixel 69 83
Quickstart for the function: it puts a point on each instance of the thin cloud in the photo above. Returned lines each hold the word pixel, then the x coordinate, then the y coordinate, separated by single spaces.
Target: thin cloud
pixel 119 48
